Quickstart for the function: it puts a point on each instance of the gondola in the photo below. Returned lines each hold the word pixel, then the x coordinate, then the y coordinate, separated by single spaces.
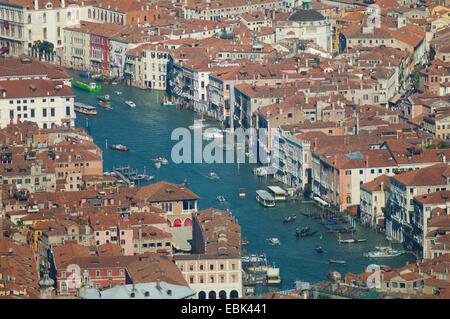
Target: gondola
pixel 319 249
pixel 289 219
pixel 307 234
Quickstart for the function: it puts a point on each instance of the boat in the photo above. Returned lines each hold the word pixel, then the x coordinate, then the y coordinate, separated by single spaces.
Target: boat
pixel 213 175
pixel 319 249
pixel 220 199
pixel 85 74
pixel 118 92
pixel 130 103
pixel 346 241
pixel 264 198
pixel 119 147
pixel 91 87
pixel 361 240
pixel 244 242
pixel 157 164
pixel 273 241
pixel 186 182
pixel 104 97
pixel 289 219
pixel 85 109
pixel 277 192
pixel 254 259
pixel 273 276
pixel 162 160
pixel 168 102
pixel 105 104
pixel 242 192
pixel 337 261
pixel 212 134
pixel 384 252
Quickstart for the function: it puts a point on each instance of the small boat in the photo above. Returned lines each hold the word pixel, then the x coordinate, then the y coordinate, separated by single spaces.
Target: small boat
pixel 289 219
pixel 212 134
pixel 220 199
pixel 273 241
pixel 213 175
pixel 105 104
pixel 242 192
pixel 244 242
pixel 85 74
pixel 130 103
pixel 84 109
pixel 104 98
pixel 319 249
pixel 264 198
pixel 118 92
pixel 91 87
pixel 337 261
pixel 157 164
pixel 361 240
pixel 162 160
pixel 346 241
pixel 119 147
pixel 186 182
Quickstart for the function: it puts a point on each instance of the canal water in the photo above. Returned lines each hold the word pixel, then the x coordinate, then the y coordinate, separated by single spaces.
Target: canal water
pixel 146 130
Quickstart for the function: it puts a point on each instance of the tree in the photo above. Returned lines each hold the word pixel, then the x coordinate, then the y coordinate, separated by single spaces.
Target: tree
pixel 43 49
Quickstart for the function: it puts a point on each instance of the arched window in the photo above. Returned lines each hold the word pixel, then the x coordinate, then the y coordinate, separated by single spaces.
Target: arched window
pixel 212 295
pixel 234 294
pixel 188 222
pixel 89 13
pixel 222 294
pixel 202 295
pixel 177 223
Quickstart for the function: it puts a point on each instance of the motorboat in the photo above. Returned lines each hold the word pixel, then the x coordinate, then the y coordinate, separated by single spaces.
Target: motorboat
pixel 273 241
pixel 119 147
pixel 264 198
pixel 168 102
pixel 105 104
pixel 162 160
pixel 89 87
pixel 242 192
pixel 289 219
pixel 157 164
pixel 220 199
pixel 130 104
pixel 213 175
pixel 85 109
pixel 319 249
pixel 337 261
pixel 105 97
pixel 118 92
pixel 212 134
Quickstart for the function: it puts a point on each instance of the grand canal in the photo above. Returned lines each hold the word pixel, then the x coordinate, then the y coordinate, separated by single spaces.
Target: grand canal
pixel 146 130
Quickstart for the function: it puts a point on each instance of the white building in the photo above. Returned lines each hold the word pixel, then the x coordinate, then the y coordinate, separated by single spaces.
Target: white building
pixel 306 25
pixel 45 102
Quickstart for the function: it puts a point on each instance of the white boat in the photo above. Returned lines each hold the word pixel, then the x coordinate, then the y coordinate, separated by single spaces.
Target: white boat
pixel 384 252
pixel 130 103
pixel 273 276
pixel 221 199
pixel 212 134
pixel 273 241
pixel 264 198
pixel 118 92
pixel 213 175
pixel 157 164
pixel 162 160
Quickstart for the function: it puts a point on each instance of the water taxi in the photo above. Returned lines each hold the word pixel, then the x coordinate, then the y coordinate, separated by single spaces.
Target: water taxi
pixel 119 147
pixel 91 87
pixel 277 192
pixel 105 104
pixel 212 134
pixel 264 198
pixel 161 160
pixel 130 104
pixel 274 241
pixel 118 92
pixel 337 261
pixel 220 199
pixel 242 192
pixel 85 109
pixel 289 219
pixel 213 175
pixel 157 164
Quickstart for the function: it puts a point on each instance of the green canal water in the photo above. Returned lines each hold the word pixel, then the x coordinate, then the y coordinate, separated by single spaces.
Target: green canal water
pixel 146 130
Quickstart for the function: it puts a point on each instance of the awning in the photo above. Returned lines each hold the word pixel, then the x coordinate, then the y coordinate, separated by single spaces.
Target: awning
pixel 395 98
